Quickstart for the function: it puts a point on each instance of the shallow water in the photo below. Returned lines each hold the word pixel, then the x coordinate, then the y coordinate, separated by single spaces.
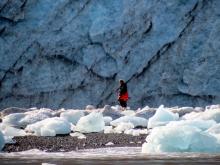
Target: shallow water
pixel 106 156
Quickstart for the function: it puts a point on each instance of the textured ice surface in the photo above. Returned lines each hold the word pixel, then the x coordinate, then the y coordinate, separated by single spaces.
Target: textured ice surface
pixel 50 127
pixel 94 122
pixel 175 138
pixel 136 121
pixel 162 117
pixel 72 116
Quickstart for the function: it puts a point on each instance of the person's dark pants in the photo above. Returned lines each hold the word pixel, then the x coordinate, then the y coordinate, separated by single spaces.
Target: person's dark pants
pixel 123 103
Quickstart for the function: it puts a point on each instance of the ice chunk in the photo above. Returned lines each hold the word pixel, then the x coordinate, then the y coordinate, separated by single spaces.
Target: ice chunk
pixel 108 129
pixel 45 131
pixel 50 127
pixel 107 120
pixel 45 111
pixel 128 113
pixel 136 132
pixel 208 114
pixel 201 124
pixel 217 106
pixel 33 117
pixel 162 117
pixel 90 107
pixel 23 119
pixel 121 127
pixel 13 119
pixel 116 108
pixel 78 135
pixel 146 112
pixel 2 140
pixel 215 131
pixel 94 122
pixel 12 110
pixel 9 140
pixel 11 131
pixel 183 110
pixel 113 113
pixel 136 121
pixel 72 116
pixel 180 139
pixel 109 144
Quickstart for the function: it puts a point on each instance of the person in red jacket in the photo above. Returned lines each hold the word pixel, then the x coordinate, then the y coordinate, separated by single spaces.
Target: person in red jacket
pixel 123 94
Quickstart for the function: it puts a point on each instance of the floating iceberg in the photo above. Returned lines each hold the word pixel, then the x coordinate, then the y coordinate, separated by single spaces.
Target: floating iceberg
pixel 94 122
pixel 50 127
pixel 162 117
pixel 136 121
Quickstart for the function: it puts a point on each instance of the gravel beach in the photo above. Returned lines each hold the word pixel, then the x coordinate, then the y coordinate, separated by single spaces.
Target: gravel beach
pixel 68 143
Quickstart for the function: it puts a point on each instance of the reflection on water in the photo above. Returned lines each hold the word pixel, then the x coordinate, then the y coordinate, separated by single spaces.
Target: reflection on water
pixel 106 156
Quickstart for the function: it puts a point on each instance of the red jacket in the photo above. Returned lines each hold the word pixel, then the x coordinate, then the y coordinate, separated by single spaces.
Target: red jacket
pixel 123 97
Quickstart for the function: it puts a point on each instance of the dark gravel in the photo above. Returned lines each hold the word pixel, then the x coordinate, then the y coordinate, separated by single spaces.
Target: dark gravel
pixel 68 143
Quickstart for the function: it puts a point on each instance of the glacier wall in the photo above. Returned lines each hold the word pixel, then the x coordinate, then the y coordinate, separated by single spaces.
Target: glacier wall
pixel 71 53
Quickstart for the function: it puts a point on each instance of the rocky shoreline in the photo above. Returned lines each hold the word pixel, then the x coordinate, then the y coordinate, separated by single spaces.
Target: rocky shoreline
pixel 67 143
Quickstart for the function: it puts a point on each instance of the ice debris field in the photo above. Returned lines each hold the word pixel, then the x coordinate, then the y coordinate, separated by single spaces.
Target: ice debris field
pixel 175 129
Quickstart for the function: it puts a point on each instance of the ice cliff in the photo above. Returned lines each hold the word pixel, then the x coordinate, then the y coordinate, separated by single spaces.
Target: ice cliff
pixel 71 53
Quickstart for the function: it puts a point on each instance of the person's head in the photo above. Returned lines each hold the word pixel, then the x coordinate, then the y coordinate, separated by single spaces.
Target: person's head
pixel 121 82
